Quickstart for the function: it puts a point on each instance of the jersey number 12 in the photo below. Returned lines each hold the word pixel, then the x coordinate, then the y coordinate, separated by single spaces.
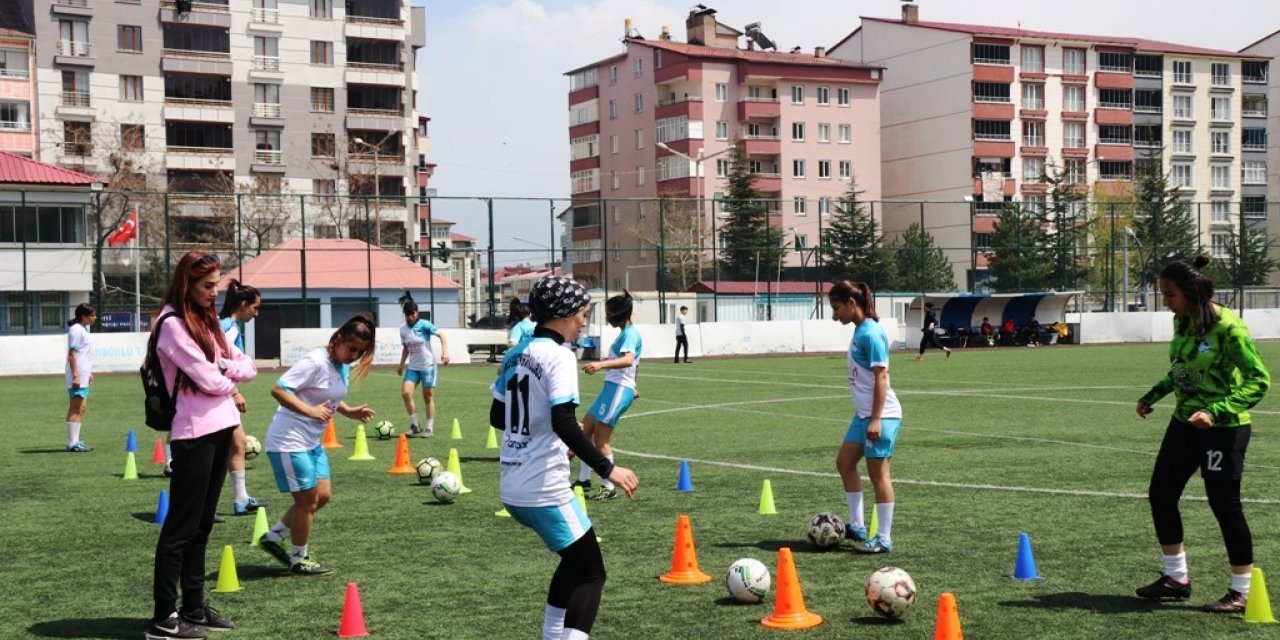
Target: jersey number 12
pixel 518 405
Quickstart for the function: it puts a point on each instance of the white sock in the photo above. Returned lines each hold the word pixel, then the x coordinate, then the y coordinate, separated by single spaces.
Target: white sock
pixel 854 498
pixel 1240 583
pixel 431 424
pixel 237 486
pixel 413 420
pixel 1175 566
pixel 604 482
pixel 584 472
pixel 552 623
pixel 73 433
pixel 884 511
pixel 168 454
pixel 299 552
pixel 574 634
pixel 279 531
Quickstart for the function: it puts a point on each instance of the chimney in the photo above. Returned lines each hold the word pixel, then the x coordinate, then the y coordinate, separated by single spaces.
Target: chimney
pixel 819 52
pixel 700 26
pixel 910 13
pixel 666 33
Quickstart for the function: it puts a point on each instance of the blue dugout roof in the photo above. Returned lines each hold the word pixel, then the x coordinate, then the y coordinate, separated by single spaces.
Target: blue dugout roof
pixel 968 310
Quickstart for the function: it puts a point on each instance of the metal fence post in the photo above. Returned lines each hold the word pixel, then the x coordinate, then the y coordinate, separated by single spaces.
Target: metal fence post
pixel 302 255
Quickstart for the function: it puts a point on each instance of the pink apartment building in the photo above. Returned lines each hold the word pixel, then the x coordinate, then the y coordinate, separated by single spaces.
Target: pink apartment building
pixel 17 85
pixel 659 117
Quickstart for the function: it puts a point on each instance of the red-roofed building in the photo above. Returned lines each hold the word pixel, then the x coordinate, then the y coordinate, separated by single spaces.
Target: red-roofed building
pixel 658 119
pixel 979 112
pixel 17 81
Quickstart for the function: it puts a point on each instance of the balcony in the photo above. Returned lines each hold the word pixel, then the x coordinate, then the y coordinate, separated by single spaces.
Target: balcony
pixel 1113 150
pixel 758 109
pixel 993 111
pixel 73 52
pixel 761 145
pixel 1117 116
pixel 1107 78
pixel 198 6
pixel 75 99
pixel 72 8
pixel 268 156
pixel 378 20
pixel 265 63
pixel 265 16
pixel 266 110
pixel 690 106
pixel 198 110
pixel 1008 186
pixel 768 182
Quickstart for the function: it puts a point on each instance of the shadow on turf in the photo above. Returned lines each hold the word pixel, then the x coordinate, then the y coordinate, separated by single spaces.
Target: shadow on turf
pixel 876 621
pixel 478 459
pixel 57 450
pixel 148 517
pixel 796 546
pixel 89 628
pixel 1095 603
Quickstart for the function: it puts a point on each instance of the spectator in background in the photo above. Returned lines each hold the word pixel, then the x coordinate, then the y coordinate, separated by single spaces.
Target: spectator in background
pixel 682 340
pixel 988 332
pixel 929 333
pixel 1008 331
pixel 1033 332
pixel 79 374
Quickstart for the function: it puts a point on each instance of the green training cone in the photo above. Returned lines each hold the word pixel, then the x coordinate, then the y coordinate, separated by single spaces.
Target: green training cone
pixel 456 433
pixel 766 500
pixel 1258 607
pixel 455 467
pixel 260 527
pixel 228 581
pixel 492 442
pixel 874 526
pixel 362 446
pixel 502 513
pixel 130 467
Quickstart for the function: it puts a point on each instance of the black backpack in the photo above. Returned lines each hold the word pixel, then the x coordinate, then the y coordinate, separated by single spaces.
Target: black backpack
pixel 160 405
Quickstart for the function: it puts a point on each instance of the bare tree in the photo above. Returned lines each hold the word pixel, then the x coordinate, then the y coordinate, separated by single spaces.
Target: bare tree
pixel 672 230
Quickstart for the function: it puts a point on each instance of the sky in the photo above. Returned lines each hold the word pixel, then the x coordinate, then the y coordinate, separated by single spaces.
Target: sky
pixel 492 75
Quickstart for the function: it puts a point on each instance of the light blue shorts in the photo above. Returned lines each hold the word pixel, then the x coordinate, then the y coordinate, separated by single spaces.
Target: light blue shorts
pixel 299 470
pixel 82 392
pixel 425 378
pixel 558 527
pixel 882 448
pixel 613 401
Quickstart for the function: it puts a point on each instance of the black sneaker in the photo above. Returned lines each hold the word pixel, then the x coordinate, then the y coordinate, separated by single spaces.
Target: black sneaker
pixel 1233 602
pixel 272 547
pixel 173 628
pixel 208 617
pixel 585 484
pixel 308 567
pixel 1165 588
pixel 605 494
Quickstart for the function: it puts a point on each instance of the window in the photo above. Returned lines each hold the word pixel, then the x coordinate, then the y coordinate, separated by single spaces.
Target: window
pixel 1182 72
pixel 991 130
pixel 1181 176
pixel 722 92
pixel 129 38
pixel 613 109
pixel 1221 73
pixel 657 58
pixel 1073 135
pixel 797 131
pixel 613 75
pixel 824 169
pixel 14 64
pixel 15 116
pixel 639 67
pixel 797 94
pixel 1033 96
pixel 321 53
pixel 1074 172
pixel 844 133
pixel 74 38
pixel 584 147
pixel 322 99
pixel 1254 207
pixel 1073 62
pixel 1073 98
pixel 639 138
pixel 1218 243
pixel 1182 107
pixel 990 53
pixel 1033 134
pixel 1115 98
pixel 722 168
pixel 1220 142
pixel 131 88
pixel 824 96
pixel 1182 141
pixel 842 97
pixel 1115 61
pixel 1115 134
pixel 797 168
pixel 639 176
pixel 1254 139
pixel 639 102
pixel 846 169
pixel 1221 108
pixel 321 8
pixel 824 132
pixel 1255 71
pixel 1032 59
pixel 722 130
pixel 1148 66
pixel 991 92
pixel 77 138
pixel 1254 172
pixel 1032 169
pixel 613 144
pixel 1221 210
pixel 1220 176
pixel 1254 106
pixel 133 137
pixel 614 181
pixel 323 145
pixel 798 205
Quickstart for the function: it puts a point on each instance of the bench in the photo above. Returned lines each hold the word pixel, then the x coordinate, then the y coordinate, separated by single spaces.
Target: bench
pixel 495 349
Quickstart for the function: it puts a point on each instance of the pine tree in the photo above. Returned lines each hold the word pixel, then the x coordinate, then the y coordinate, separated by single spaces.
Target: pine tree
pixel 1020 259
pixel 1066 226
pixel 1246 261
pixel 1163 224
pixel 752 246
pixel 852 246
pixel 920 264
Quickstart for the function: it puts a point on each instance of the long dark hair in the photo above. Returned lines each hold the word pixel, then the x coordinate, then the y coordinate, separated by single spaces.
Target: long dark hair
pixel 1197 288
pixel 617 310
pixel 407 305
pixel 857 292
pixel 358 327
pixel 83 310
pixel 518 311
pixel 201 324
pixel 237 296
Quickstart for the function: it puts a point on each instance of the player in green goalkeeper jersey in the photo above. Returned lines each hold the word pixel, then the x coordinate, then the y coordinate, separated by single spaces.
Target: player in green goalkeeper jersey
pixel 1216 376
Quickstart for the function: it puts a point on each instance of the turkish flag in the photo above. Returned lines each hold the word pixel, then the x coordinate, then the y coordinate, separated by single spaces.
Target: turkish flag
pixel 128 230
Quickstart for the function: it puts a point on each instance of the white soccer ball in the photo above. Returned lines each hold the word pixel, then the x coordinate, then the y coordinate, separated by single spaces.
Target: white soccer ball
pixel 445 486
pixel 826 530
pixel 427 469
pixel 891 592
pixel 384 429
pixel 748 580
pixel 252 448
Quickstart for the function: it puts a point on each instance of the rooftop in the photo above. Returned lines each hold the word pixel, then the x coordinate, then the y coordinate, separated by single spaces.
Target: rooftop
pixel 334 264
pixel 15 169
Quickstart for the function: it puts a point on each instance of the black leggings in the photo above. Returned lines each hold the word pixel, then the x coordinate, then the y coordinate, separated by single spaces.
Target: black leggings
pixel 578 582
pixel 682 341
pixel 1219 455
pixel 929 339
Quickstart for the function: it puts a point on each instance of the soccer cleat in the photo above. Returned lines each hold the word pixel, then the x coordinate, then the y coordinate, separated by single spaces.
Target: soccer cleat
pixel 585 484
pixel 1165 588
pixel 168 469
pixel 247 507
pixel 173 628
pixel 1233 602
pixel 856 534
pixel 272 547
pixel 605 494
pixel 79 447
pixel 417 432
pixel 308 567
pixel 875 545
pixel 208 617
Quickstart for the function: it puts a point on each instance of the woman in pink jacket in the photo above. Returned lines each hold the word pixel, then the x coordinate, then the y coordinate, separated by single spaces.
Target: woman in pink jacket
pixel 195 355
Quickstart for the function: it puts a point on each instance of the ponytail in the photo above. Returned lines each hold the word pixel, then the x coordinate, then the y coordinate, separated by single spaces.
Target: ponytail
pixel 358 327
pixel 518 311
pixel 617 310
pixel 1197 288
pixel 858 293
pixel 237 296
pixel 83 310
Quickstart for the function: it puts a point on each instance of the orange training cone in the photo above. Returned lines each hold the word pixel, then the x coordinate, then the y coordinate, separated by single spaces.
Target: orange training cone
pixel 352 615
pixel 157 454
pixel 684 558
pixel 402 464
pixel 948 625
pixel 331 437
pixel 788 605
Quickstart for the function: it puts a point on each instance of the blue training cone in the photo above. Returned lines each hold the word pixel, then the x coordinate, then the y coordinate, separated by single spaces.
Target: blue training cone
pixel 131 442
pixel 162 507
pixel 684 482
pixel 1024 568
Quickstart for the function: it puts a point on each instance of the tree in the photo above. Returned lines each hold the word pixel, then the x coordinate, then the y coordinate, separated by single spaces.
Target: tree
pixel 1066 225
pixel 853 247
pixel 1111 215
pixel 1020 258
pixel 920 264
pixel 752 246
pixel 1246 261
pixel 1162 223
pixel 674 232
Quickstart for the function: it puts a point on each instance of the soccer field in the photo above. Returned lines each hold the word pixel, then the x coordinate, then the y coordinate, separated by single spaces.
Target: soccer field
pixel 994 443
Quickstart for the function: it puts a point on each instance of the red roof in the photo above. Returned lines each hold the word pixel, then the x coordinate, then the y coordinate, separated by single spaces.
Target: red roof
pixel 702 51
pixel 15 169
pixel 460 237
pixel 749 287
pixel 334 264
pixel 1141 44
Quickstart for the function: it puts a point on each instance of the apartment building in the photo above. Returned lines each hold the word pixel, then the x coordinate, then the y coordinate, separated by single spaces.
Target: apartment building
pixel 659 117
pixel 251 96
pixel 978 112
pixel 1269 47
pixel 17 82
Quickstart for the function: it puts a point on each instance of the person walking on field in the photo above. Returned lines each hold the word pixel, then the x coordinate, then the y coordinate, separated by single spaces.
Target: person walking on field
pixel 1216 376
pixel 415 336
pixel 79 374
pixel 239 307
pixel 682 339
pixel 929 332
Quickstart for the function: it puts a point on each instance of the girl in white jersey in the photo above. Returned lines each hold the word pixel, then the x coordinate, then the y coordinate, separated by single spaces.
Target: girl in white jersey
pixel 415 336
pixel 874 429
pixel 619 389
pixel 521 325
pixel 79 374
pixel 239 307
pixel 309 393
pixel 534 399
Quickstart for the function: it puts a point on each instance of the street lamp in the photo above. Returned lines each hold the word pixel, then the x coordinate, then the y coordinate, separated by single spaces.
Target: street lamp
pixel 1128 233
pixel 697 161
pixel 377 187
pixel 551 251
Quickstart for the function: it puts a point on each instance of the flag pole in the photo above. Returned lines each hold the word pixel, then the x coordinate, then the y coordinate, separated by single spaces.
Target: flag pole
pixel 137 277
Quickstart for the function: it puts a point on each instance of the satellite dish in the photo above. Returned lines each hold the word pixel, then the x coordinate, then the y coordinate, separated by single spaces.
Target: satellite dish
pixel 753 31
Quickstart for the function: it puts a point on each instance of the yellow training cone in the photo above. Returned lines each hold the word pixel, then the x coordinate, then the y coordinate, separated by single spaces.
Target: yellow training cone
pixel 456 434
pixel 260 527
pixel 362 446
pixel 875 523
pixel 1258 607
pixel 228 582
pixel 130 467
pixel 766 500
pixel 502 513
pixel 492 442
pixel 455 467
pixel 582 500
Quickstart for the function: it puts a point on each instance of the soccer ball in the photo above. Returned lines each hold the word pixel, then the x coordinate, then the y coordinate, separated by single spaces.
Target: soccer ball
pixel 748 580
pixel 427 469
pixel 384 429
pixel 445 486
pixel 890 592
pixel 251 447
pixel 826 530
